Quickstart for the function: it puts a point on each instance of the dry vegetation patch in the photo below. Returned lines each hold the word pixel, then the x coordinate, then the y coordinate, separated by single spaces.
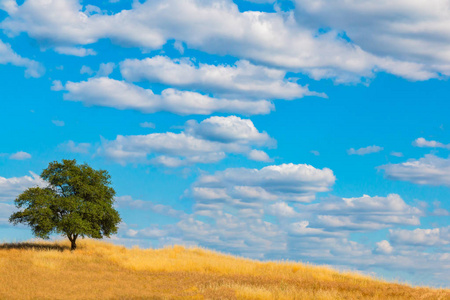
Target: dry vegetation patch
pixel 99 270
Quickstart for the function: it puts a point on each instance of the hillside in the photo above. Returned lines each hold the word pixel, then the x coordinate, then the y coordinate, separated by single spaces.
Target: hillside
pixel 99 270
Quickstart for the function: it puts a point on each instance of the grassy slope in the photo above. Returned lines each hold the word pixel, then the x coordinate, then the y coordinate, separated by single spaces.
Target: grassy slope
pixel 99 270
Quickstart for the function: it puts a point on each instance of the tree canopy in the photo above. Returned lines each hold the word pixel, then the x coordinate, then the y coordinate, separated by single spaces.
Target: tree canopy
pixel 78 202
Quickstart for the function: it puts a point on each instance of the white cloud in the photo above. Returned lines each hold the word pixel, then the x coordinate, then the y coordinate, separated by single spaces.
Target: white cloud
pixel 242 79
pixel 6 210
pixel 421 237
pixel 415 32
pixel 281 209
pixel 396 154
pixel 429 170
pixel 274 39
pixel 105 69
pixel 109 92
pixel 204 142
pixel 147 125
pixel 384 247
pixel 179 46
pixel 8 56
pixel 86 70
pixel 58 123
pixel 228 129
pixel 75 51
pixel 302 229
pixel 244 232
pixel 259 155
pixel 365 150
pixel 20 155
pixel 149 233
pixel 73 147
pixel 360 214
pixel 243 187
pixel 57 86
pixel 423 143
pixel 129 202
pixel 12 187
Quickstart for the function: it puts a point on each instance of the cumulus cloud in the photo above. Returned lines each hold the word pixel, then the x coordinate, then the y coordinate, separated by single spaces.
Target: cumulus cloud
pixel 21 155
pixel 103 91
pixel 8 56
pixel 361 213
pixel 415 32
pixel 423 143
pixel 204 142
pixel 282 209
pixel 105 69
pixel 384 247
pixel 249 188
pixel 259 155
pixel 57 86
pixel 365 150
pixel 421 237
pixel 429 170
pixel 229 129
pixel 73 147
pixel 86 70
pixel 274 39
pixel 12 187
pixel 243 79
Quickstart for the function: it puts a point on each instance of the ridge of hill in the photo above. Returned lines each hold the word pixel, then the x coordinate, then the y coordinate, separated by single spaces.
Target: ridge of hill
pixel 99 270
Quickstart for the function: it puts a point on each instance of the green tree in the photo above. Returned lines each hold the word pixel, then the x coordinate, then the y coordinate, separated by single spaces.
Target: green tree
pixel 78 202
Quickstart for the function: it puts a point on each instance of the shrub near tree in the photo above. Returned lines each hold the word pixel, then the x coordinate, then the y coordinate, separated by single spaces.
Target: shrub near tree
pixel 78 202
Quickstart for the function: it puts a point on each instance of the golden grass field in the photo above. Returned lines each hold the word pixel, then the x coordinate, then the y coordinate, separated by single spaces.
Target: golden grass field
pixel 99 270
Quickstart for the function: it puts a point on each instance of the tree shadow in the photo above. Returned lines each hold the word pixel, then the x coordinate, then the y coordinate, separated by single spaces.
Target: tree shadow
pixel 33 246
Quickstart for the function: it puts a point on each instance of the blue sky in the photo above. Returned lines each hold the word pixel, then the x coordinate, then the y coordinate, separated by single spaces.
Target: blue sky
pixel 295 130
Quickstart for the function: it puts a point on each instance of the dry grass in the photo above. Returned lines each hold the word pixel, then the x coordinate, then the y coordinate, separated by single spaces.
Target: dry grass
pixel 98 270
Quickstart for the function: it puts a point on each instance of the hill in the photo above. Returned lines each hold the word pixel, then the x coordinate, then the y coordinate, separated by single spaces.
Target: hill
pixel 98 270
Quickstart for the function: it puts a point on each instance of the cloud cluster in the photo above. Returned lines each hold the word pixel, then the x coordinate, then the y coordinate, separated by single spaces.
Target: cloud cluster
pixel 205 142
pixel 294 234
pixel 410 31
pixel 12 187
pixel 429 170
pixel 8 56
pixel 421 237
pixel 384 247
pixel 361 213
pixel 232 209
pixel 276 39
pixel 243 79
pixel 104 91
pixel 251 188
pixel 423 143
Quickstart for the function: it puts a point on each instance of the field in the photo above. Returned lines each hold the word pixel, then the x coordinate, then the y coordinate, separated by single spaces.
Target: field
pixel 98 270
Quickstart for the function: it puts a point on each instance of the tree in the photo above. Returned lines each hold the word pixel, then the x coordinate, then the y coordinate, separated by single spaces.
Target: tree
pixel 78 202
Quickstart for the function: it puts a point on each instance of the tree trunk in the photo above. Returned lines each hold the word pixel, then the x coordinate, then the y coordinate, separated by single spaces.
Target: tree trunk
pixel 73 240
pixel 74 245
